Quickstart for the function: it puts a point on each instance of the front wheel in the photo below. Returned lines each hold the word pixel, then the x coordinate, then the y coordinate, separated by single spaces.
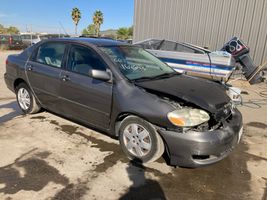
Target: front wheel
pixel 26 100
pixel 139 140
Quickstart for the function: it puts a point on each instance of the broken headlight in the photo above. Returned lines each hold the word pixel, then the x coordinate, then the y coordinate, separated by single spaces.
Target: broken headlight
pixel 188 117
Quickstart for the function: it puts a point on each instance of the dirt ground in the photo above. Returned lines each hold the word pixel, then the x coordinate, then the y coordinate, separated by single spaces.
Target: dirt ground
pixel 44 156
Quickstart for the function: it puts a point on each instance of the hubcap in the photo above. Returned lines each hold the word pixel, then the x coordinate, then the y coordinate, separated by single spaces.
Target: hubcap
pixel 137 140
pixel 24 98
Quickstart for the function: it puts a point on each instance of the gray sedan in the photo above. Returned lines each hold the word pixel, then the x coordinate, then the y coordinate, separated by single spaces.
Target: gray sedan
pixel 130 94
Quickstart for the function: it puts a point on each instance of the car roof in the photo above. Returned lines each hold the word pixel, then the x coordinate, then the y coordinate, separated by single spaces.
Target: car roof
pixel 94 41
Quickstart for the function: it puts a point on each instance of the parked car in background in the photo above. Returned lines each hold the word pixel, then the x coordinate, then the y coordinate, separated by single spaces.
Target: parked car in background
pixel 51 36
pixel 30 39
pixel 11 42
pixel 130 94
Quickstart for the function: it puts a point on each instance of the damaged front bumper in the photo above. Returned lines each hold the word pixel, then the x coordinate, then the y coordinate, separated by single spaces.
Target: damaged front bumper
pixel 196 149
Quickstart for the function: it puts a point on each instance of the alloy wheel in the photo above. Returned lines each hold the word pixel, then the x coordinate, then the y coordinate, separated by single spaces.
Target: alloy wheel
pixel 137 140
pixel 24 99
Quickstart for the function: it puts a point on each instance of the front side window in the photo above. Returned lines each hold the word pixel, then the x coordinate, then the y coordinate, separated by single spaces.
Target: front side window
pixel 82 60
pixel 51 54
pixel 136 63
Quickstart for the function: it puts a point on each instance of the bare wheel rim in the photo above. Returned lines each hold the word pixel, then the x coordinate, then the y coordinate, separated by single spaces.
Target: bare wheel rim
pixel 24 99
pixel 137 140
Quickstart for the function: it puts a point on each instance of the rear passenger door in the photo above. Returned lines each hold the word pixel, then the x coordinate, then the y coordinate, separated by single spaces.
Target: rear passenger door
pixel 43 72
pixel 86 98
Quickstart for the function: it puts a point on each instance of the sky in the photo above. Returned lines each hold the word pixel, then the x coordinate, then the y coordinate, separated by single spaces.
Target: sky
pixel 47 15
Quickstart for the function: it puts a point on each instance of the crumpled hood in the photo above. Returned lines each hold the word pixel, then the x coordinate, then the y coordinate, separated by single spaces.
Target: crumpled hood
pixel 206 94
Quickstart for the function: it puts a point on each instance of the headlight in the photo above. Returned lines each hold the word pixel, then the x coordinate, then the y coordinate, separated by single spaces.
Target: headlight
pixel 188 117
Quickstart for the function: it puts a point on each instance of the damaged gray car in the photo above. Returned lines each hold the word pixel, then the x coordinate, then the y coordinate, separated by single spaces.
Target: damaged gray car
pixel 130 94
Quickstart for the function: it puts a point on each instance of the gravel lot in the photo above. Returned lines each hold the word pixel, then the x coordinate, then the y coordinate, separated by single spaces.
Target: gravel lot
pixel 44 156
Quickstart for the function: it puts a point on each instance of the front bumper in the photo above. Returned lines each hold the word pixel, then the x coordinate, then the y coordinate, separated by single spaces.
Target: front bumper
pixel 196 149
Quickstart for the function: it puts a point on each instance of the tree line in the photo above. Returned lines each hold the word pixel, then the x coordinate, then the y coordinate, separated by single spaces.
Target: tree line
pixel 8 30
pixel 94 28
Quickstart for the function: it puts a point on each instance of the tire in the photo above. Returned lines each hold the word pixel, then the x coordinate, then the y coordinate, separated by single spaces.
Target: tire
pixel 139 140
pixel 26 100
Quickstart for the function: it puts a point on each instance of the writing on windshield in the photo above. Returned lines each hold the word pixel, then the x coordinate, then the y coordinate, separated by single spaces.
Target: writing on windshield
pixel 134 62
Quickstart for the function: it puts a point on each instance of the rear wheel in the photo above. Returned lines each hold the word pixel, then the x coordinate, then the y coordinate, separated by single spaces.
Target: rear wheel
pixel 26 100
pixel 139 140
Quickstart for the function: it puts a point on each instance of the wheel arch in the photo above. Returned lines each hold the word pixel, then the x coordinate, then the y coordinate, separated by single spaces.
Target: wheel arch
pixel 17 82
pixel 123 115
pixel 120 117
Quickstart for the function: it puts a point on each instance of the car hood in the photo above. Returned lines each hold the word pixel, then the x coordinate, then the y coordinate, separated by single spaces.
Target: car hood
pixel 206 94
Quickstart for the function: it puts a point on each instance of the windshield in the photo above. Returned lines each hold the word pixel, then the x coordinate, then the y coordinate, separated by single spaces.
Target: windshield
pixel 136 63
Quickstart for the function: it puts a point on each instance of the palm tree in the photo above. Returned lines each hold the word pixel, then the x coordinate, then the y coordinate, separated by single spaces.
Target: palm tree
pixel 76 16
pixel 98 19
pixel 123 33
pixel 90 30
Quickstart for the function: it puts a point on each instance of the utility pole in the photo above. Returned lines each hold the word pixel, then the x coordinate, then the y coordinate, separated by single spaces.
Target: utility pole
pixel 31 34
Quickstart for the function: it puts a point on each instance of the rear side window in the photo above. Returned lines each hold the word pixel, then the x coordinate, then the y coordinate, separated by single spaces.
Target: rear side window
pixel 51 54
pixel 82 60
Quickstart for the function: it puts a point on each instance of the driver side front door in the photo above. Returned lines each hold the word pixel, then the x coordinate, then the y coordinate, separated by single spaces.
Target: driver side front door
pixel 85 98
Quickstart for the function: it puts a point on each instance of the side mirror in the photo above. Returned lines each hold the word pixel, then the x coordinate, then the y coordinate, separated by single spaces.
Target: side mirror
pixel 101 75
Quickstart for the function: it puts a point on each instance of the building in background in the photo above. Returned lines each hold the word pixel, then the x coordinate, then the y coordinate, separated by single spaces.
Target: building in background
pixel 207 23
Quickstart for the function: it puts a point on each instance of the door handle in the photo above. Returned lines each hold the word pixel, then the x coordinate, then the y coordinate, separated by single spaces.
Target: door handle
pixel 65 78
pixel 29 68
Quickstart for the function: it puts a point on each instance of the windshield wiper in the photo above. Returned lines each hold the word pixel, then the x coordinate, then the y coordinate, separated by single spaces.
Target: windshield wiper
pixel 143 78
pixel 165 75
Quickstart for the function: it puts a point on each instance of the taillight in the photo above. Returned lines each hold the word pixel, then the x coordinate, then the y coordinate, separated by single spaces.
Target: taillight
pixel 6 61
pixel 10 40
